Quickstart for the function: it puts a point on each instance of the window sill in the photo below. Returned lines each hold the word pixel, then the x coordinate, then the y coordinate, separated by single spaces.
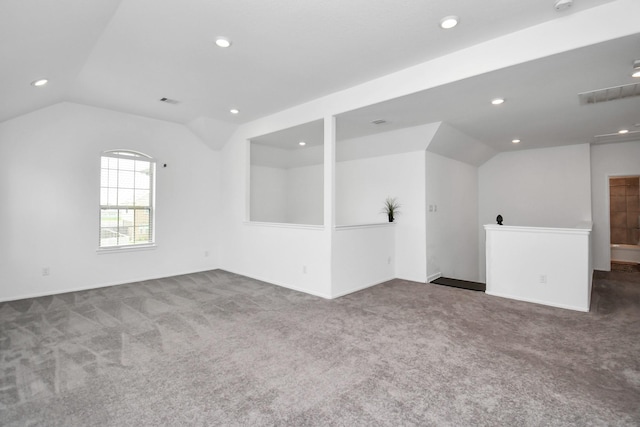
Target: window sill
pixel 120 249
pixel 283 225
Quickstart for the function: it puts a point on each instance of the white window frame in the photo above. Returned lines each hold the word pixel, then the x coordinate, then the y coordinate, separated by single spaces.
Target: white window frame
pixel 129 155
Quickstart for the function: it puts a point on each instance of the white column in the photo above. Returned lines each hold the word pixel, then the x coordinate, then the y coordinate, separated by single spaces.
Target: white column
pixel 329 171
pixel 329 194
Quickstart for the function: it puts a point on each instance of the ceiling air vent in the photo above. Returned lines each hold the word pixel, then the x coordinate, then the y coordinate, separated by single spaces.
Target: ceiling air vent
pixel 169 101
pixel 634 135
pixel 609 94
pixel 379 122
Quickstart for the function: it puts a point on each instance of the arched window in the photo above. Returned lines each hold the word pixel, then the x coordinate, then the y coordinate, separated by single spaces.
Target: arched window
pixel 127 181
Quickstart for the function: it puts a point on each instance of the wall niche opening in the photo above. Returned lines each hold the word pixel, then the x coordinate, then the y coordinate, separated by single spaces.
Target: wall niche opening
pixel 286 183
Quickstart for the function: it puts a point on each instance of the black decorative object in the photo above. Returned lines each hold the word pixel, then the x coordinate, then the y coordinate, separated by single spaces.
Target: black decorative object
pixel 499 219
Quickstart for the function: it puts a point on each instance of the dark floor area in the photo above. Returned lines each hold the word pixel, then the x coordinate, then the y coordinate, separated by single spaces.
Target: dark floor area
pixel 464 284
pixel 629 267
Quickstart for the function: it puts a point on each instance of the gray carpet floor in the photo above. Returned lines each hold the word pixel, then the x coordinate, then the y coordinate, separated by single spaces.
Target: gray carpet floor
pixel 216 348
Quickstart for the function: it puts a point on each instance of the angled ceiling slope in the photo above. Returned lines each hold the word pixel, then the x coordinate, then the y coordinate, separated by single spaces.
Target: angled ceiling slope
pixel 450 142
pixel 51 39
pixel 542 107
pixel 126 55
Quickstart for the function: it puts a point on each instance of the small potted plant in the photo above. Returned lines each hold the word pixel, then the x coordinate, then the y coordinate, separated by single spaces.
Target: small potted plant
pixel 391 207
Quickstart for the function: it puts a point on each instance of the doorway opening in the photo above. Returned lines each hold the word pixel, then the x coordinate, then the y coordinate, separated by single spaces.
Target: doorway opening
pixel 624 220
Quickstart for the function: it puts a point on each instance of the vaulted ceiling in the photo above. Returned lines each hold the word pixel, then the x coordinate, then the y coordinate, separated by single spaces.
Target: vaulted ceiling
pixel 126 55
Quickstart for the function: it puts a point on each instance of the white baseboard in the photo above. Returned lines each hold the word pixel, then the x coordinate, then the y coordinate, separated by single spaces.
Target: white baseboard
pixel 433 277
pixel 359 288
pixel 145 278
pixel 306 291
pixel 281 284
pixel 551 304
pixel 100 285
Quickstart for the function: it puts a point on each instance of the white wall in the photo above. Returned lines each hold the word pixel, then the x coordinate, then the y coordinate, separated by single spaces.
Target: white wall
pixel 404 140
pixel 293 196
pixel 542 40
pixel 268 194
pixel 294 256
pixel 49 187
pixel 33 147
pixel 548 187
pixel 361 189
pixel 608 160
pixel 305 195
pixel 551 266
pixel 362 256
pixel 279 254
pixel 451 218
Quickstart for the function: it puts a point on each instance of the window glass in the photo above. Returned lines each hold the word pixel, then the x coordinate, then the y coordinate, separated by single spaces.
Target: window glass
pixel 126 199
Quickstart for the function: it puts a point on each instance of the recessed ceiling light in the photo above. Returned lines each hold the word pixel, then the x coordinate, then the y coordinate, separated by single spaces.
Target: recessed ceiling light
pixel 515 141
pixel 636 68
pixel 623 131
pixel 223 42
pixel 302 143
pixel 234 111
pixel 563 4
pixel 39 82
pixel 497 101
pixel 448 22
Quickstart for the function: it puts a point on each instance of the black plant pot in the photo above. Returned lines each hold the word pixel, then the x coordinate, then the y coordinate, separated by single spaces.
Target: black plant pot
pixel 390 217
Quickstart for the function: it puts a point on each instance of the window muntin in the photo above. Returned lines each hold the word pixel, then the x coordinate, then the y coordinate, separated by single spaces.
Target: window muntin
pixel 127 181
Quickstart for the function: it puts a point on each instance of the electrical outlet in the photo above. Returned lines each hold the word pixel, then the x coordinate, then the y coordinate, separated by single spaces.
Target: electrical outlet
pixel 206 254
pixel 543 278
pixel 389 260
pixel 46 271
